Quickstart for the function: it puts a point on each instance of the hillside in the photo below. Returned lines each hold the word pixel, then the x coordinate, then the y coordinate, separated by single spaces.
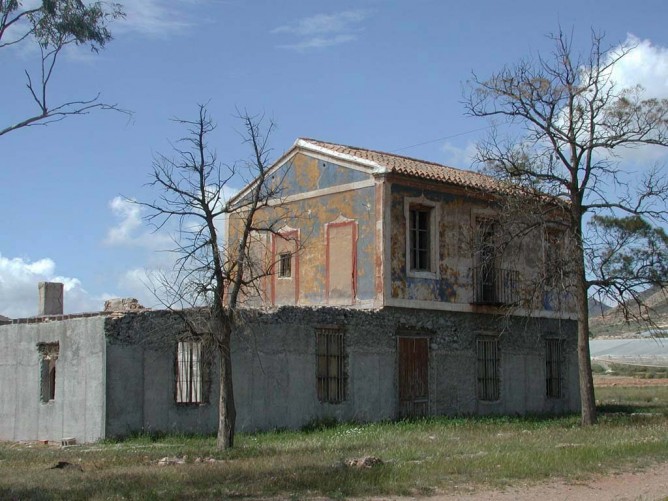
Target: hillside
pixel 611 323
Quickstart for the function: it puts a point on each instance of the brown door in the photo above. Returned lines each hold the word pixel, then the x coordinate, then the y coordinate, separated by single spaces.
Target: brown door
pixel 413 376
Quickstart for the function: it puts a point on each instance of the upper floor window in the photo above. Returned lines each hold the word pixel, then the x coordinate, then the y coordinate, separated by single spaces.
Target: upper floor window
pixel 554 250
pixel 285 265
pixel 422 246
pixel 418 237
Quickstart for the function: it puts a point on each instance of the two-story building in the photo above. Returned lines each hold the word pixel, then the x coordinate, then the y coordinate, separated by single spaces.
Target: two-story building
pixel 389 298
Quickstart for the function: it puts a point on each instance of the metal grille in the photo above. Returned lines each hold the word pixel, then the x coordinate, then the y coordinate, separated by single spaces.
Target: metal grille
pixel 189 372
pixel 488 368
pixel 553 368
pixel 493 285
pixel 330 359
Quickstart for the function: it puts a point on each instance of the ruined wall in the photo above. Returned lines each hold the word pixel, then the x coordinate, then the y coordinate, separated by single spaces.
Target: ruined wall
pixel 275 368
pixel 78 407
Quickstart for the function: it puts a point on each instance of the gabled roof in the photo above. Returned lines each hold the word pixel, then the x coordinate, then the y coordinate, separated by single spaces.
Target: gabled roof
pixel 378 162
pixel 382 162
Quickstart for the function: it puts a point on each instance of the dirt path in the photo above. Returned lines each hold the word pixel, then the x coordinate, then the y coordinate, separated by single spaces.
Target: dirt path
pixel 650 484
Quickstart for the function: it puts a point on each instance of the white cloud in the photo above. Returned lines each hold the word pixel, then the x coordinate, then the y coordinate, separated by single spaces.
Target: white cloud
pixel 323 30
pixel 18 288
pixel 646 64
pixel 159 18
pixel 455 156
pixel 129 230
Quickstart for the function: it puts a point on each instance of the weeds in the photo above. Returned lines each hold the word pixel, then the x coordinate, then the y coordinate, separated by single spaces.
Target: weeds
pixel 420 457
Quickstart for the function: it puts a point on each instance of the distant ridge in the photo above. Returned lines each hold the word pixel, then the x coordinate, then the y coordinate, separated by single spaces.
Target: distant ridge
pixel 607 321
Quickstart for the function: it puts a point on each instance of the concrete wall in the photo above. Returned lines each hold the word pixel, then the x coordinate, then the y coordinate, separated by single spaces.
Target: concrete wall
pixel 274 366
pixel 78 407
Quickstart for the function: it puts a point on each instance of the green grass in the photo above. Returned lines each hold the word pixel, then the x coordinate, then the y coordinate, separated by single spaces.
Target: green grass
pixel 420 457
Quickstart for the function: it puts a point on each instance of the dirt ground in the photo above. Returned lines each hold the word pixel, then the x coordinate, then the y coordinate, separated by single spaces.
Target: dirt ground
pixel 648 485
pixel 606 381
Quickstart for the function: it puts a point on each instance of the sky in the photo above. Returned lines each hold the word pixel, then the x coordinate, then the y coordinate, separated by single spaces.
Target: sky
pixel 388 75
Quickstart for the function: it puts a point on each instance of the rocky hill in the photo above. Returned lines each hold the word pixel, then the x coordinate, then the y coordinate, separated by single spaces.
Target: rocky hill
pixel 610 322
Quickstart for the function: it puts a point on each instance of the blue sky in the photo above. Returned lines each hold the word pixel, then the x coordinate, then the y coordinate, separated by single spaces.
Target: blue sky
pixel 385 75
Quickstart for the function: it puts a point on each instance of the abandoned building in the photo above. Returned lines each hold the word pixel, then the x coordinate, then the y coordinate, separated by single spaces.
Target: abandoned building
pixel 387 301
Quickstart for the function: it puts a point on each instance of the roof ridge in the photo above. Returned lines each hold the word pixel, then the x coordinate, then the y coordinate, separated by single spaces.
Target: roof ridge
pixel 413 159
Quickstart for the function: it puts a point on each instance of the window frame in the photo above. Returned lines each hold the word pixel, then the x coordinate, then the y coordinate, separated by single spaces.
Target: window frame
pixel 488 368
pixel 422 204
pixel 331 368
pixel 195 385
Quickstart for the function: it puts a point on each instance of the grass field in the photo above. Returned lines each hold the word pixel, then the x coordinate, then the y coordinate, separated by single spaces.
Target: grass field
pixel 421 457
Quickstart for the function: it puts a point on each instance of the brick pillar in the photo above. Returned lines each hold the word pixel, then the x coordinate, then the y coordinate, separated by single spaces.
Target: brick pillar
pixel 50 298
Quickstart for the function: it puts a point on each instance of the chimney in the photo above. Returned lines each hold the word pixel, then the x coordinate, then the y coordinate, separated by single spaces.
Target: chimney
pixel 50 298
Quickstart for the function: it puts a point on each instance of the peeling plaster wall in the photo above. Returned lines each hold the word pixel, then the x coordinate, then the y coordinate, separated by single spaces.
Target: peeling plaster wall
pixel 304 173
pixel 274 367
pixel 309 216
pixel 456 235
pixel 78 409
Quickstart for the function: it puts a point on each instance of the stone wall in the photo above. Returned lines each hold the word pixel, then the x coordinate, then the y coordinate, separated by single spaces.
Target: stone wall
pixel 275 366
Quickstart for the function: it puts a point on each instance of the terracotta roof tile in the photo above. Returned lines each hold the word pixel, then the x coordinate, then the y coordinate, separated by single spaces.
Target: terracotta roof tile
pixel 412 166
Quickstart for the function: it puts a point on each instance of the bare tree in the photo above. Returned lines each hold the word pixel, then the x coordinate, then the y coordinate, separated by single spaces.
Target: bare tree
pixel 567 122
pixel 52 26
pixel 213 272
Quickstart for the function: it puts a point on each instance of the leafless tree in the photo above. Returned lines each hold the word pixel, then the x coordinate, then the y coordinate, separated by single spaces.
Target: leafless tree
pixel 215 272
pixel 567 123
pixel 54 25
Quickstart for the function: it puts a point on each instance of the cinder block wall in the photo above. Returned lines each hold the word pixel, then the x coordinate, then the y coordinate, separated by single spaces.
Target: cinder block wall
pixel 274 367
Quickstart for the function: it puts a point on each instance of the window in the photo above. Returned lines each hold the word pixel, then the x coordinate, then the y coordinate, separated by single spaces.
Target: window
pixel 419 239
pixel 330 361
pixel 553 368
pixel 422 246
pixel 488 368
pixel 189 372
pixel 285 265
pixel 554 254
pixel 49 356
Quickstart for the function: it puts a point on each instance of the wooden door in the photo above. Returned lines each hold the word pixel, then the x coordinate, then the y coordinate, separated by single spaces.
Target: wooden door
pixel 413 376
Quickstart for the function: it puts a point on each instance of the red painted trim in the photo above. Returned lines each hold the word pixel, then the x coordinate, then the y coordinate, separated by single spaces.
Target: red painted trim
pixel 353 228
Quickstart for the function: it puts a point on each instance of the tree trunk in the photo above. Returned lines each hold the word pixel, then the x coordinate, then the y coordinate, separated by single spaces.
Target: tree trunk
pixel 227 413
pixel 587 399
